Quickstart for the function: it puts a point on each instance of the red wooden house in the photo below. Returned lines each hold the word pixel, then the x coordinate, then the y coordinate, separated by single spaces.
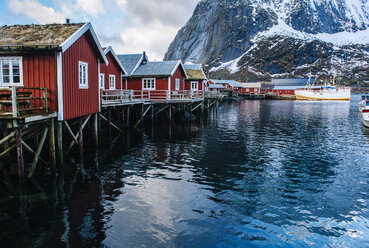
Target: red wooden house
pixel 159 80
pixel 110 77
pixel 64 58
pixel 196 77
pixel 251 88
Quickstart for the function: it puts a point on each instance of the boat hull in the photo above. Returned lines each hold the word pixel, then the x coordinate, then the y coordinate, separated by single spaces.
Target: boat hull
pixel 364 117
pixel 340 95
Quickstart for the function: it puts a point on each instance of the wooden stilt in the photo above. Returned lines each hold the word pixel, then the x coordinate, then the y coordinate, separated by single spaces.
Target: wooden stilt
pixel 128 116
pixel 18 137
pixel 52 145
pixel 96 129
pixel 170 113
pixel 142 113
pixel 152 112
pixel 80 140
pixel 109 121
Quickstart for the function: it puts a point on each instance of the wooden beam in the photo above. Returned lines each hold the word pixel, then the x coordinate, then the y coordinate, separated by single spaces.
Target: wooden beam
pixel 37 156
pixel 143 114
pixel 104 118
pixel 70 132
pixel 74 141
pixel 7 138
pixel 52 145
pixel 28 148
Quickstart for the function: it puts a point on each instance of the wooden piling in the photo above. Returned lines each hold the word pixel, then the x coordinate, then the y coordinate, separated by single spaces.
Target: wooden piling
pixel 80 138
pixel 18 137
pixel 170 113
pixel 142 113
pixel 128 116
pixel 96 129
pixel 109 121
pixel 52 145
pixel 60 153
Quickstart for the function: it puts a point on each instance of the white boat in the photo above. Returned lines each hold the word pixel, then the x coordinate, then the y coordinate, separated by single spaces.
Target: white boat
pixel 364 111
pixel 328 92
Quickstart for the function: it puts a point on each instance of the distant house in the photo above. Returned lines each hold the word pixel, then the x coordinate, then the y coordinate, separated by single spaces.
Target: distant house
pixel 64 58
pixel 196 77
pixel 287 86
pixel 250 87
pixel 228 85
pixel 215 87
pixel 160 78
pixel 110 76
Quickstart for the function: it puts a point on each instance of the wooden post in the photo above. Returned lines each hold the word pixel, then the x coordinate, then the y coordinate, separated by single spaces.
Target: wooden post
pixel 52 145
pixel 38 152
pixel 96 129
pixel 80 140
pixel 127 116
pixel 60 143
pixel 142 113
pixel 170 113
pixel 18 137
pixel 109 121
pixel 152 112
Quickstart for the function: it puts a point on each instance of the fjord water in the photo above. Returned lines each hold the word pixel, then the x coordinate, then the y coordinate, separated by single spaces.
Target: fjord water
pixel 256 174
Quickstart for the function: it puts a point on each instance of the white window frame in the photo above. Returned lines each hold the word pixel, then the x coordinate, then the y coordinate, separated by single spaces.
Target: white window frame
pixel 83 81
pixel 112 82
pixel 147 83
pixel 102 81
pixel 11 76
pixel 177 84
pixel 193 83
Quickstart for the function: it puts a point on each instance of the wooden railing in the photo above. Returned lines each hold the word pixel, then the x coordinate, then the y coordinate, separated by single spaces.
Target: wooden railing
pixel 214 94
pixel 116 97
pixel 15 101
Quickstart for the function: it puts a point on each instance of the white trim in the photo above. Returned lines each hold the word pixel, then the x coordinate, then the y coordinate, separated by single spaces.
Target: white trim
pixel 82 86
pixel 179 84
pixel 102 74
pixel 110 49
pixel 59 66
pixel 197 85
pixel 169 82
pixel 148 88
pixel 126 84
pixel 98 73
pixel 11 76
pixel 74 37
pixel 115 82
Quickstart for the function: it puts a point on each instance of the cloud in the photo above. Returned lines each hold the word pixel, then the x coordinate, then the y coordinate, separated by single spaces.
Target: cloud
pixel 93 7
pixel 152 25
pixel 36 11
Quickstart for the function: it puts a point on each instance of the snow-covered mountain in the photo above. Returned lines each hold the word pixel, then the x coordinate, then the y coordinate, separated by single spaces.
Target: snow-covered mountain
pixel 263 38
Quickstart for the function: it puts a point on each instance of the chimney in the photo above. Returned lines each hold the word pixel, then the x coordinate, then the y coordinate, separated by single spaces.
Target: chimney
pixel 144 61
pixel 67 21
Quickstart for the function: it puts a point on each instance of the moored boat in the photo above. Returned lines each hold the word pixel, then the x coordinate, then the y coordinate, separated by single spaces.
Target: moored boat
pixel 328 92
pixel 364 111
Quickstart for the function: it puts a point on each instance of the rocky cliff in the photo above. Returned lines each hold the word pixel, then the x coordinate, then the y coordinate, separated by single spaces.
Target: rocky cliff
pixel 259 39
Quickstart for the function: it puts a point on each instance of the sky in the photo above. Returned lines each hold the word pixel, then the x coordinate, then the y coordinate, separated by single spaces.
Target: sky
pixel 129 26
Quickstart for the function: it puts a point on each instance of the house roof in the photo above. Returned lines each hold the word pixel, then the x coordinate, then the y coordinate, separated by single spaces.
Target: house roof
pixel 196 74
pixel 110 49
pixel 215 86
pixel 130 61
pixel 251 85
pixel 294 87
pixel 234 84
pixel 158 68
pixel 220 81
pixel 60 36
pixel 50 34
pixel 194 71
pixel 291 81
pixel 192 66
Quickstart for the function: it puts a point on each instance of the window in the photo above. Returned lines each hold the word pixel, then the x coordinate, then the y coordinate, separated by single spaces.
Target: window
pixel 102 81
pixel 247 89
pixel 83 75
pixel 177 84
pixel 255 89
pixel 148 83
pixel 11 71
pixel 111 82
pixel 194 85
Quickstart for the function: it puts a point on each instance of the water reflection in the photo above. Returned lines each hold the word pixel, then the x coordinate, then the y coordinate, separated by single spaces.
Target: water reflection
pixel 258 173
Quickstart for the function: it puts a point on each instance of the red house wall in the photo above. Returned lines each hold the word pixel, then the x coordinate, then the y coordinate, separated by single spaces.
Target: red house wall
pixel 112 69
pixel 284 92
pixel 39 71
pixel 178 74
pixel 80 102
pixel 136 83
